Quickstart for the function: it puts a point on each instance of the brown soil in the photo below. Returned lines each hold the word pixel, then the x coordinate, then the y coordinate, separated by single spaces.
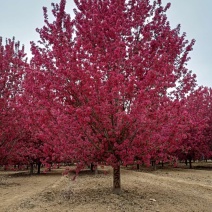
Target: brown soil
pixel 176 189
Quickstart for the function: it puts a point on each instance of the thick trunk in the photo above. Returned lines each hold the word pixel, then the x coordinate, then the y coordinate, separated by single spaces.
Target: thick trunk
pixel 116 180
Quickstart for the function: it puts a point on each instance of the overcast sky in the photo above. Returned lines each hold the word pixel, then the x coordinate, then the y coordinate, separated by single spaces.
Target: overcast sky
pixel 19 18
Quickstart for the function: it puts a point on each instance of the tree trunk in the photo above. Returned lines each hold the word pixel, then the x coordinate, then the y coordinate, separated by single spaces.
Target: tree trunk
pixel 138 166
pixel 96 170
pixel 31 168
pixel 92 167
pixel 116 180
pixel 39 165
pixel 154 164
pixel 190 164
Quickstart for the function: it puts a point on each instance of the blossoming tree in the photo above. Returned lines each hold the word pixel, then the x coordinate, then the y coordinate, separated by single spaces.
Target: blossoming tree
pixel 106 76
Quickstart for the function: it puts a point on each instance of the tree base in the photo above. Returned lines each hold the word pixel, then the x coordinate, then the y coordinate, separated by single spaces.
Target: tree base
pixel 117 191
pixel 116 180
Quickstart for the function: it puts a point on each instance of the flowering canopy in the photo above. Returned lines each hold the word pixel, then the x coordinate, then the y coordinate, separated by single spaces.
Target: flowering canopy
pixel 105 80
pixel 108 86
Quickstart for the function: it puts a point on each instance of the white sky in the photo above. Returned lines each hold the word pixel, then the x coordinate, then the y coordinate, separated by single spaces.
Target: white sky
pixel 19 18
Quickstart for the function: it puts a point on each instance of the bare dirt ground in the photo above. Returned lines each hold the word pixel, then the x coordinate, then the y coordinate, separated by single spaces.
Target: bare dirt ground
pixel 163 190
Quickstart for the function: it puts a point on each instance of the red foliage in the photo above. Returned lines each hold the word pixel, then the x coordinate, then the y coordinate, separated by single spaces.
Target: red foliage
pixel 197 136
pixel 109 86
pixel 12 65
pixel 101 83
pixel 103 88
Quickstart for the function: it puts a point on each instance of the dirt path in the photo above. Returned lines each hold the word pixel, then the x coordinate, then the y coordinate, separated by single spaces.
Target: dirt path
pixel 16 188
pixel 176 191
pixel 179 190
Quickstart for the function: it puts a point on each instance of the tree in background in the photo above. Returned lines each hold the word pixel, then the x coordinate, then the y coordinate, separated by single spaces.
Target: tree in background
pixel 194 132
pixel 208 131
pixel 12 69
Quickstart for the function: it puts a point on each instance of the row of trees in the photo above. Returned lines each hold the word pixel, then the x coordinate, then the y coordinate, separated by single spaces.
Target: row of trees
pixel 108 86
